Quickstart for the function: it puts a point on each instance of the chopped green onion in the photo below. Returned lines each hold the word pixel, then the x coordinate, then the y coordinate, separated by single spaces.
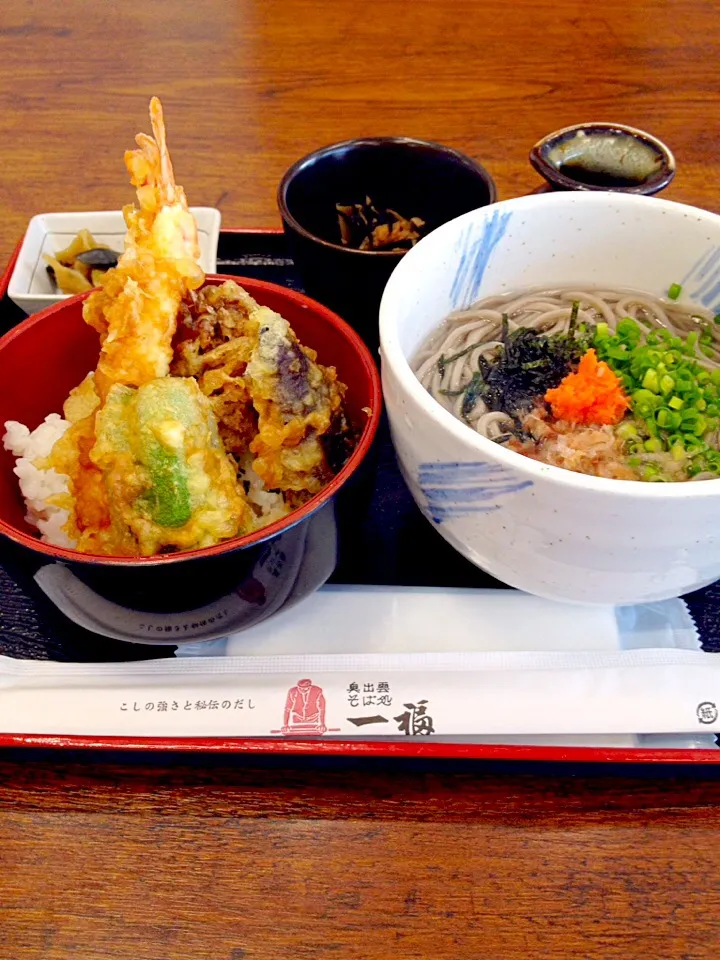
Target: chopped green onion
pixel 667 384
pixel 674 291
pixel 678 451
pixel 617 352
pixel 627 430
pixel 674 401
pixel 651 381
pixel 644 396
pixel 693 422
pixel 628 327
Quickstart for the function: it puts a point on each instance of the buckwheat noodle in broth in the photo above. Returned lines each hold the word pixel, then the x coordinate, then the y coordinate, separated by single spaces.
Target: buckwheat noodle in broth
pixel 450 358
pixel 612 383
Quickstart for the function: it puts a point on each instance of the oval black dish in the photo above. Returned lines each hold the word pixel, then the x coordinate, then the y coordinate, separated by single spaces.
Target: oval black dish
pixel 603 156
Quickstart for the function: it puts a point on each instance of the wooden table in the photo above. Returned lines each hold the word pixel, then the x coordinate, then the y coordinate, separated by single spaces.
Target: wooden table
pixel 158 858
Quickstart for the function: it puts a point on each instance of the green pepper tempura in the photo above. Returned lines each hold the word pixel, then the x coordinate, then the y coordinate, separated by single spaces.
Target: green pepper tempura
pixel 164 465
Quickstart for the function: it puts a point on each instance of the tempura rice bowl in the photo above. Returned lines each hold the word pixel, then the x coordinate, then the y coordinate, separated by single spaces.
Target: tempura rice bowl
pixel 550 531
pixel 48 354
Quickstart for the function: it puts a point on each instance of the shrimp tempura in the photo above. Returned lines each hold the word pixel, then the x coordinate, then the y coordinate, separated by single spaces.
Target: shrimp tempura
pixel 135 311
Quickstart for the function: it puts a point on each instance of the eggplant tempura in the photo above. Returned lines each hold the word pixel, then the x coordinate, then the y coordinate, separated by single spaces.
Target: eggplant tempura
pixel 271 398
pixel 205 418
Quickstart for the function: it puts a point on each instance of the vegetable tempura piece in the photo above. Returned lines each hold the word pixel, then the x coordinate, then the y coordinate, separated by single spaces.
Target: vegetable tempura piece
pixel 214 344
pixel 168 478
pixel 136 310
pixel 269 394
pixel 297 401
pixel 88 506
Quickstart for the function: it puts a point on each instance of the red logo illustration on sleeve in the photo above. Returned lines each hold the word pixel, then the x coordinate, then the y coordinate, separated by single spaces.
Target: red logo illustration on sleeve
pixel 305 711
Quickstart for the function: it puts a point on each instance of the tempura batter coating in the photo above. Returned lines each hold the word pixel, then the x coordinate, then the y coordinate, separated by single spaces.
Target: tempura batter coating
pixel 169 480
pixel 136 309
pixel 268 392
pixel 216 338
pixel 296 400
pixel 243 428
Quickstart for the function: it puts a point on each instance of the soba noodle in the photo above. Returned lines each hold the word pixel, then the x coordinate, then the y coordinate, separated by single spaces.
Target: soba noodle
pixel 469 339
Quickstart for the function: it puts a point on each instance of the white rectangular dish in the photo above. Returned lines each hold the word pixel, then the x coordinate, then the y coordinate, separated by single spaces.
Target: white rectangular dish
pixel 30 286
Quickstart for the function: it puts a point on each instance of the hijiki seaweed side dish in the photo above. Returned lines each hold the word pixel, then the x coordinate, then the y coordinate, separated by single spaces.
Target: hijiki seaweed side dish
pixel 205 418
pixel 615 384
pixel 364 227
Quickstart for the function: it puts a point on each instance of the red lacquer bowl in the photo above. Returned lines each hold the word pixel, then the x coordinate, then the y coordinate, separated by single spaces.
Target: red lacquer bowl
pixel 48 354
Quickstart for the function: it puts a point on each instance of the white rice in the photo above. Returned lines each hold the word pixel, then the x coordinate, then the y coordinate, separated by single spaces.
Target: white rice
pixel 38 485
pixel 272 506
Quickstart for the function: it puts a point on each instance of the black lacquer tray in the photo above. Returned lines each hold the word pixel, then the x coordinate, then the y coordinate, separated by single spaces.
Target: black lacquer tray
pixel 383 539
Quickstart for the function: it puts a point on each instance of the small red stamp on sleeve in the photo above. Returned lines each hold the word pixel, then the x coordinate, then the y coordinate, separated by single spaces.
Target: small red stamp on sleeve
pixel 305 711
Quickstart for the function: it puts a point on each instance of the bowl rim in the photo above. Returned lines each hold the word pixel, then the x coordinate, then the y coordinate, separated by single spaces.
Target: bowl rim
pixel 653 184
pixel 321 152
pixel 394 358
pixel 70 555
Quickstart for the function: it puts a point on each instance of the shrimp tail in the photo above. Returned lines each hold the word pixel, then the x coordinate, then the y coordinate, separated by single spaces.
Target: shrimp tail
pixel 167 176
pixel 136 310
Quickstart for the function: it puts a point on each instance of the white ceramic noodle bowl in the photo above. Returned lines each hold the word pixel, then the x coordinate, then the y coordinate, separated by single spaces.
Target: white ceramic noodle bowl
pixel 540 528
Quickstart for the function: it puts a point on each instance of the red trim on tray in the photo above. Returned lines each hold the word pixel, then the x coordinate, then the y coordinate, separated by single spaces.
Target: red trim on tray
pixel 429 749
pixel 5 278
pixel 253 230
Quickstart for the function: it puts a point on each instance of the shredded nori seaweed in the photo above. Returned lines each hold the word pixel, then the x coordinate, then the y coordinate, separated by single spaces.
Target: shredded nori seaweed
pixel 528 366
pixel 573 318
pixel 444 361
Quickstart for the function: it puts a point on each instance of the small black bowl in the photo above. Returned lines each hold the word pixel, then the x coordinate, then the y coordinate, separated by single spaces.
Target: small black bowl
pixel 413 177
pixel 604 156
